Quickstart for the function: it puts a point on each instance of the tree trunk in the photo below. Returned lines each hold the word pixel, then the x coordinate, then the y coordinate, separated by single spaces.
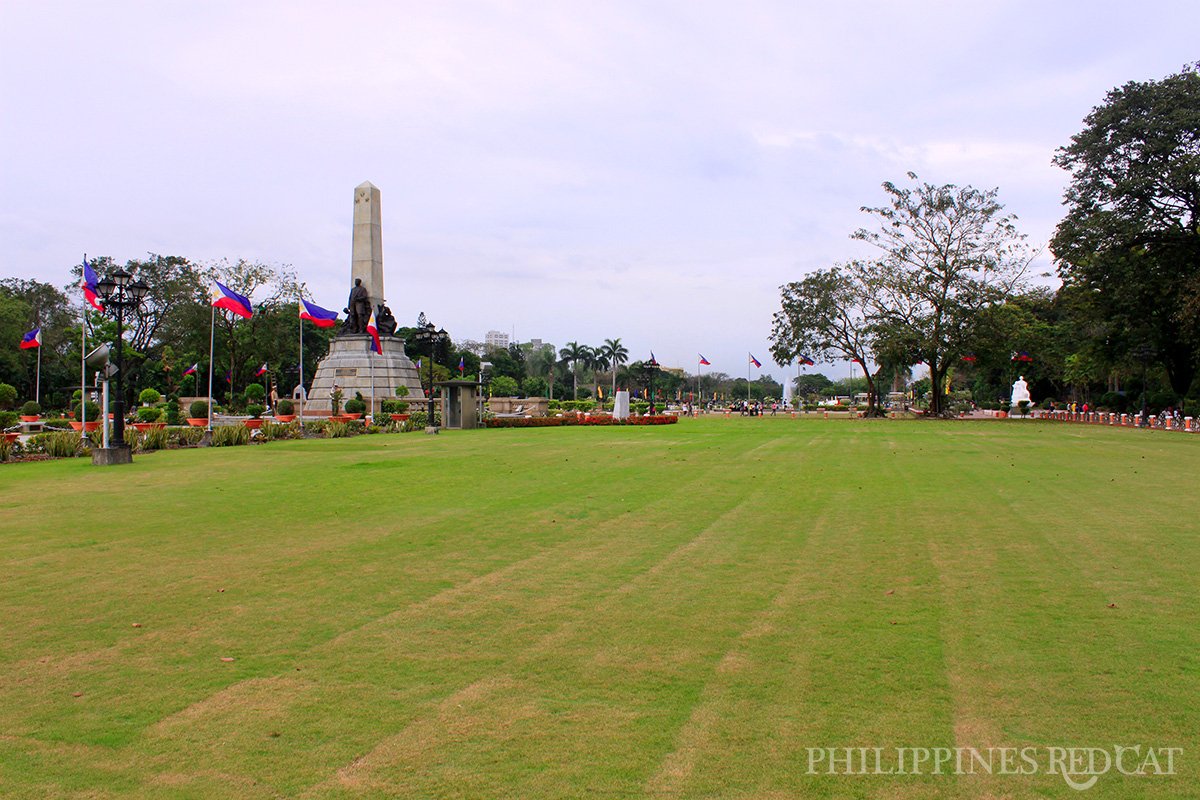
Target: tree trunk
pixel 935 390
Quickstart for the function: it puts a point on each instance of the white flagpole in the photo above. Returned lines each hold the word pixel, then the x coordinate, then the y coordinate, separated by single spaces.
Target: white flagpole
pixel 302 392
pixel 371 361
pixel 212 332
pixel 37 386
pixel 83 370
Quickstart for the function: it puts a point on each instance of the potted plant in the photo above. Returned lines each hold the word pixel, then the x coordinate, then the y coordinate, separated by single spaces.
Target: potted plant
pixel 355 408
pixel 285 410
pixel 87 416
pixel 401 405
pixel 149 417
pixel 1023 407
pixel 150 397
pixel 255 411
pixel 198 414
pixel 31 411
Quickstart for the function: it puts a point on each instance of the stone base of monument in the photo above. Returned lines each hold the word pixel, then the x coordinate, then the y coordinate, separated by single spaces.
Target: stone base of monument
pixel 108 456
pixel 355 368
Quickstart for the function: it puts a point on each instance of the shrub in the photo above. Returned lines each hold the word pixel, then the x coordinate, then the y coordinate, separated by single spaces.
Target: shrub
pixel 90 410
pixel 316 427
pixel 147 414
pixel 504 386
pixel 156 439
pixel 230 436
pixel 150 397
pixel 62 444
pixel 639 407
pixel 133 438
pixel 7 449
pixel 255 410
pixel 7 419
pixel 285 407
pixel 355 406
pixel 255 393
pixel 534 386
pixel 172 412
pixel 186 437
pixel 8 396
pixel 51 423
pixel 31 409
pixel 1160 400
pixel 1113 401
pixel 389 406
pixel 270 431
pixel 198 409
pixel 340 430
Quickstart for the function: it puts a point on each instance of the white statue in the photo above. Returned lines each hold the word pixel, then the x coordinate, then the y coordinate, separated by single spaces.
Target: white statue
pixel 1020 391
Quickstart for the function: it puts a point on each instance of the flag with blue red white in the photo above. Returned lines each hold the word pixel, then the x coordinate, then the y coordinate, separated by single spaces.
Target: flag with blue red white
pixel 229 376
pixel 321 317
pixel 1021 355
pixel 192 369
pixel 228 299
pixel 462 364
pixel 704 362
pixel 261 370
pixel 32 339
pixel 755 361
pixel 373 329
pixel 88 285
pixel 806 361
pixel 653 361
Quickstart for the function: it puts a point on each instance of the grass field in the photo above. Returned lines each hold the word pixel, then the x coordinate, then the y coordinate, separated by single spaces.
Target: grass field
pixel 669 612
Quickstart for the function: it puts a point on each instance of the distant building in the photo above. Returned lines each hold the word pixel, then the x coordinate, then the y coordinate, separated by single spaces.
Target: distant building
pixel 496 340
pixel 533 345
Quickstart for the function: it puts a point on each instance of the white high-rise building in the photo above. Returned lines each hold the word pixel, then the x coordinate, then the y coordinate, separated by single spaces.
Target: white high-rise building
pixel 496 340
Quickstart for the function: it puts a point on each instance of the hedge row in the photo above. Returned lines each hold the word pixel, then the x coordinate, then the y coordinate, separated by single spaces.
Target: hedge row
pixel 570 419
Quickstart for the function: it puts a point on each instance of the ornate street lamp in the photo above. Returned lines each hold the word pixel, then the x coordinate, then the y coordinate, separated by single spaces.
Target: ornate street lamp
pixel 120 294
pixel 648 369
pixel 427 333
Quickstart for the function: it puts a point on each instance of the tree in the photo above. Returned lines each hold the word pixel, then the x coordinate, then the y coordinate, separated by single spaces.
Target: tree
pixel 616 354
pixel 810 385
pixel 572 354
pixel 1131 236
pixel 824 317
pixel 948 253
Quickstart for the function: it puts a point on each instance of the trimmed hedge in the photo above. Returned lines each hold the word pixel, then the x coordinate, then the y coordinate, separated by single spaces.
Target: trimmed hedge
pixel 570 419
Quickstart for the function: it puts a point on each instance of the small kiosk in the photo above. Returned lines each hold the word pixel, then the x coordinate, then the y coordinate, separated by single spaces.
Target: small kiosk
pixel 460 404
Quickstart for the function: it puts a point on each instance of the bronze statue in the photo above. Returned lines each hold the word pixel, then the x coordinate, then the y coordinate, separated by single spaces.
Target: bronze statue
pixel 358 308
pixel 385 323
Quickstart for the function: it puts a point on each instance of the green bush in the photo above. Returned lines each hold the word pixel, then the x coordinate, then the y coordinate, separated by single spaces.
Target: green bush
pixel 1113 401
pixel 255 393
pixel 156 439
pixel 62 444
pixel 230 436
pixel 31 409
pixel 534 386
pixel 340 430
pixel 355 406
pixel 90 410
pixel 7 449
pixel 172 412
pixel 198 409
pixel 148 414
pixel 62 423
pixel 316 427
pixel 150 397
pixel 8 419
pixel 186 437
pixel 388 406
pixel 8 397
pixel 504 386
pixel 639 407
pixel 285 407
pixel 255 410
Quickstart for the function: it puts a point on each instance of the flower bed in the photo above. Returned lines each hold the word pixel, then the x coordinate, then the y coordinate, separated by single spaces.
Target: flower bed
pixel 571 419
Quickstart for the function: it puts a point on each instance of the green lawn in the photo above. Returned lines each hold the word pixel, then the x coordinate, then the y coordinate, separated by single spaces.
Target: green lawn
pixel 671 612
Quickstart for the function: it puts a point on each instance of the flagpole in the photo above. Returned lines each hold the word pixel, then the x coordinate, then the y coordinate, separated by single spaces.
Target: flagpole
pixel 371 362
pixel 83 369
pixel 37 386
pixel 212 331
pixel 302 392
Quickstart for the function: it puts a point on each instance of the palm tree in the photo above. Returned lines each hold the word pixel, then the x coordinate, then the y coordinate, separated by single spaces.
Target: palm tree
pixel 616 355
pixel 543 360
pixel 598 363
pixel 572 354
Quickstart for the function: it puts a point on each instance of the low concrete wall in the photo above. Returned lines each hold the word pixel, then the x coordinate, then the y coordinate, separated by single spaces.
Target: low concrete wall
pixel 529 406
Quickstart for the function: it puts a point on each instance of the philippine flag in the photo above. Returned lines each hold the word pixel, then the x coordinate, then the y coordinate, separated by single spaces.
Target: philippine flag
pixel 88 284
pixel 226 298
pixel 321 317
pixel 969 358
pixel 374 331
pixel 462 364
pixel 653 361
pixel 806 361
pixel 1022 356
pixel 192 369
pixel 32 339
pixel 261 370
pixel 704 362
pixel 755 361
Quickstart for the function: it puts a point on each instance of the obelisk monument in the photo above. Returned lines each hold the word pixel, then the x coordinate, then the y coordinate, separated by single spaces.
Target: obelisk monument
pixel 366 259
pixel 352 364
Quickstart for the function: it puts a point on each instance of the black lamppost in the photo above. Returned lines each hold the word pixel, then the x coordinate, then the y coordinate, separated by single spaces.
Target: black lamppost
pixel 120 294
pixel 426 332
pixel 648 369
pixel 1144 352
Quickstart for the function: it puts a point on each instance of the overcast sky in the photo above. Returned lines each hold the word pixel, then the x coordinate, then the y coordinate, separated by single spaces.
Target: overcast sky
pixel 566 170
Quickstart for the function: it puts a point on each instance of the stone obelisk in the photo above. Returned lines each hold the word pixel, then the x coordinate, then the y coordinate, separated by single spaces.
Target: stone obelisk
pixel 366 260
pixel 351 363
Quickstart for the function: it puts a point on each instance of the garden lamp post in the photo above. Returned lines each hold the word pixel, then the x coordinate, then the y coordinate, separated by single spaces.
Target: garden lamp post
pixel 426 332
pixel 121 294
pixel 648 369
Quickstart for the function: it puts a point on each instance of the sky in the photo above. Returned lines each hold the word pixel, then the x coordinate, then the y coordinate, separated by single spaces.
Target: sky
pixel 642 169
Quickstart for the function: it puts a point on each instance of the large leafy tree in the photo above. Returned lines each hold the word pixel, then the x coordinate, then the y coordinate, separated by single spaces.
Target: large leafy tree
pixel 947 253
pixel 825 317
pixel 573 354
pixel 1131 236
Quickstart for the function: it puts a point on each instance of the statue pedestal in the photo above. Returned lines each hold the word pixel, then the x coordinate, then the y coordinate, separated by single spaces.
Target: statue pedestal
pixel 350 363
